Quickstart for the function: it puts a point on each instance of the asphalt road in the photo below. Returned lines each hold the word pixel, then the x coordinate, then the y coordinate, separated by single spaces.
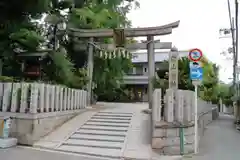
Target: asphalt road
pixel 22 153
pixel 221 141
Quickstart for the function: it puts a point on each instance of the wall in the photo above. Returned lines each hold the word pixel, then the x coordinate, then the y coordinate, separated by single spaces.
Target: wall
pixel 227 109
pixel 142 68
pixel 37 109
pixel 178 113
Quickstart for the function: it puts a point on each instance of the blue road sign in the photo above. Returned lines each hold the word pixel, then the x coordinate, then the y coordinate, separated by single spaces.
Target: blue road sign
pixel 196 71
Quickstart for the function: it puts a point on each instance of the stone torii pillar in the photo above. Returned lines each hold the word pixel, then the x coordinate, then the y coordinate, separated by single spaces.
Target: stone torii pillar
pixel 90 70
pixel 148 32
pixel 151 68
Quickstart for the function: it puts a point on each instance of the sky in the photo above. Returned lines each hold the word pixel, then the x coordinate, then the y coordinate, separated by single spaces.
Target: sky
pixel 200 21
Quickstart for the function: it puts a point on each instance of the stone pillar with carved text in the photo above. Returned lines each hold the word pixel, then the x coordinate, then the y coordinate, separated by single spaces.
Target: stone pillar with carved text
pixel 173 70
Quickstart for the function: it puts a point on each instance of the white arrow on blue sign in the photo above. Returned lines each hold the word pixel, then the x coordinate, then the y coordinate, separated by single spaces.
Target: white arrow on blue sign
pixel 196 71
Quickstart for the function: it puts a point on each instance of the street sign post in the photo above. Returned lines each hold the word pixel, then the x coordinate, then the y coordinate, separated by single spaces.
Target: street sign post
pixel 195 54
pixel 196 71
pixel 196 75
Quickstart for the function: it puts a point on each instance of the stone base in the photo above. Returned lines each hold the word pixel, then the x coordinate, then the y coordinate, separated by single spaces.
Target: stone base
pixel 8 142
pixel 29 128
pixel 166 139
pixel 175 150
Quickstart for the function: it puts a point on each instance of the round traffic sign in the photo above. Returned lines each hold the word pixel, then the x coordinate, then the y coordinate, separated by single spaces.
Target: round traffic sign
pixel 195 54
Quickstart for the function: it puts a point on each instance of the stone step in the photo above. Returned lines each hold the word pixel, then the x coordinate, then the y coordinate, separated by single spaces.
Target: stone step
pixel 107 124
pixel 91 143
pixel 118 113
pixel 90 151
pixel 7 142
pixel 99 137
pixel 105 128
pixel 109 121
pixel 97 132
pixel 111 117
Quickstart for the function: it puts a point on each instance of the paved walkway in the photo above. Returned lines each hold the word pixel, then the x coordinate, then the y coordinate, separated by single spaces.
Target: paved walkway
pixel 221 141
pixel 137 144
pixel 24 153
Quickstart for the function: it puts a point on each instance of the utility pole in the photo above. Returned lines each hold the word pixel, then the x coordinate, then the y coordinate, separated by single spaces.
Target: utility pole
pixel 236 44
pixel 234 35
pixel 232 29
pixel 236 61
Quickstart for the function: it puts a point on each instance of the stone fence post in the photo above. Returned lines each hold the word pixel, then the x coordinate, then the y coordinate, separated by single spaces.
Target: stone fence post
pixel 40 98
pixel 157 105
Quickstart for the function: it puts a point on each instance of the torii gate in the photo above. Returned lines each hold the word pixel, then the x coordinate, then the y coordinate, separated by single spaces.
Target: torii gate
pixel 150 45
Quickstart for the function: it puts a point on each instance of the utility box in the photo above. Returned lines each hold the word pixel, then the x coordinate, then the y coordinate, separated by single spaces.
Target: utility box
pixel 5 125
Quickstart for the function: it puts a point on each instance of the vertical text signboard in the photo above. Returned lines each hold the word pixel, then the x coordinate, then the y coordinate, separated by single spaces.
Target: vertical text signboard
pixel 173 70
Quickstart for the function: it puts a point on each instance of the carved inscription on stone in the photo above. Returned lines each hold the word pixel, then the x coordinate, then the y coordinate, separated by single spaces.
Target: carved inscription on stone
pixel 173 70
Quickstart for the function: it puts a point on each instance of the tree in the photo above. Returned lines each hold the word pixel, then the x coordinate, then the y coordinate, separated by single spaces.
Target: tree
pixel 17 31
pixel 108 73
pixel 225 94
pixel 21 31
pixel 209 87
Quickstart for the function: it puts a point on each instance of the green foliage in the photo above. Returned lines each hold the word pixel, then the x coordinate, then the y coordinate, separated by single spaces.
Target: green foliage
pixel 6 79
pixel 20 31
pixel 62 71
pixel 225 94
pixel 208 90
pixel 108 74
pixel 63 68
pixel 25 38
pixel 184 76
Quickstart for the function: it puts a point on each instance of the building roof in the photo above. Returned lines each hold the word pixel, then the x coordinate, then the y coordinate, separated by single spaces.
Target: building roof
pixel 141 57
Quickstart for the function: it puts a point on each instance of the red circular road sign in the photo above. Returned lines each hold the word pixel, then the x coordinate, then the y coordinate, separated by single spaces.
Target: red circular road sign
pixel 195 54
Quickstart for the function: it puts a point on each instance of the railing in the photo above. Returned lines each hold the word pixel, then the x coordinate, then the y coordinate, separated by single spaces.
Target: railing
pixel 135 74
pixel 207 112
pixel 40 98
pixel 135 79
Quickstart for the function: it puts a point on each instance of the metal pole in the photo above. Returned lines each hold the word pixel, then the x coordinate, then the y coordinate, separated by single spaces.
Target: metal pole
pixel 151 68
pixel 195 121
pixel 181 134
pixel 90 70
pixel 55 37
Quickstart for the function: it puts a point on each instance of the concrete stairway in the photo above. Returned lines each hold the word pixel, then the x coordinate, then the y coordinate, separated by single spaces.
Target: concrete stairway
pixel 102 136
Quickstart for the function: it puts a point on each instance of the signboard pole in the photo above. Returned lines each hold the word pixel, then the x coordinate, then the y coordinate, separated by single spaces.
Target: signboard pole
pixel 195 120
pixel 196 75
